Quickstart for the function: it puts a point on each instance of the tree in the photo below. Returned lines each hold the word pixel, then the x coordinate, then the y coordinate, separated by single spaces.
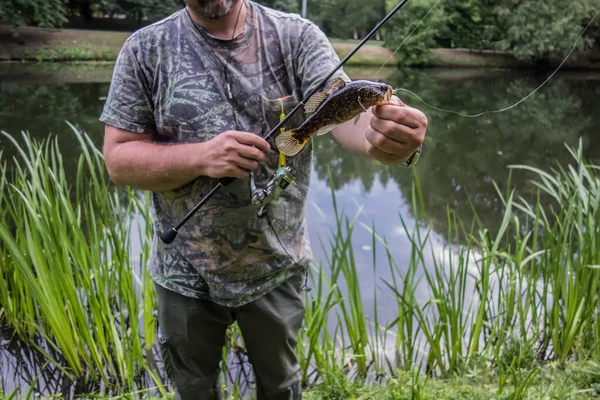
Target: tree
pixel 44 13
pixel 282 5
pixel 346 19
pixel 147 10
pixel 537 29
pixel 470 24
pixel 413 46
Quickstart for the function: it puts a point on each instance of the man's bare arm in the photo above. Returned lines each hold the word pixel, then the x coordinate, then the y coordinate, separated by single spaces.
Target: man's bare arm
pixel 133 159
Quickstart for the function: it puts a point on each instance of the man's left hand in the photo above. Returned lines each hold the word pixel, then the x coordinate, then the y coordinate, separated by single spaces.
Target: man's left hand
pixel 396 131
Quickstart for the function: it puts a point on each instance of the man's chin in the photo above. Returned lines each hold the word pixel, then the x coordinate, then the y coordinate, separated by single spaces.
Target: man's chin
pixel 214 14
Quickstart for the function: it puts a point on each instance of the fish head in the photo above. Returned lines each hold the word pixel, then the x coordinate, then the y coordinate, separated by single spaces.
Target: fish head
pixel 377 93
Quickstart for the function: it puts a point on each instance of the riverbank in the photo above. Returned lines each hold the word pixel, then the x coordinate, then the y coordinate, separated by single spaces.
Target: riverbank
pixel 41 44
pixel 478 381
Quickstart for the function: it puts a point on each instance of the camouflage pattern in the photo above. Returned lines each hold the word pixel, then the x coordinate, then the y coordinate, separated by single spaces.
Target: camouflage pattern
pixel 168 82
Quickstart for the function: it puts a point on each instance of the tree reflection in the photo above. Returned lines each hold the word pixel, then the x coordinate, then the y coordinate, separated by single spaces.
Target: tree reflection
pixel 43 110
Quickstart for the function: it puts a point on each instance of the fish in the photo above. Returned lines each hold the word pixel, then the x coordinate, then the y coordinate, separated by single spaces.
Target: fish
pixel 343 102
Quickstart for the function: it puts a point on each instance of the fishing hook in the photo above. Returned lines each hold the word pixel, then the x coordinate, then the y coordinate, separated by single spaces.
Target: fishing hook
pixel 170 235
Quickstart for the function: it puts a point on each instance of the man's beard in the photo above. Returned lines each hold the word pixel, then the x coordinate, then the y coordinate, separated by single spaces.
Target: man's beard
pixel 212 9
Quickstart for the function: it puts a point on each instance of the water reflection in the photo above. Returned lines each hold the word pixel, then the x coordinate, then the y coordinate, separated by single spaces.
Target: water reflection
pixel 462 156
pixel 461 159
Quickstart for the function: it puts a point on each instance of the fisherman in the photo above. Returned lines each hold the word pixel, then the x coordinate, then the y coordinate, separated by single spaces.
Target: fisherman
pixel 190 99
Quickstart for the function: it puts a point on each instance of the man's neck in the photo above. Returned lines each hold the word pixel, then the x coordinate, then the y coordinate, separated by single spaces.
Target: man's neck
pixel 223 28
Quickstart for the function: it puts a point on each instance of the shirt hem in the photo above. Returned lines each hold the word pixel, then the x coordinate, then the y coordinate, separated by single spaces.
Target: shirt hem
pixel 195 294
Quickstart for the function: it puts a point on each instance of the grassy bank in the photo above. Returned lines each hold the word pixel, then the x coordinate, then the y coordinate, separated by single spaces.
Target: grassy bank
pixel 575 381
pixel 38 44
pixel 513 314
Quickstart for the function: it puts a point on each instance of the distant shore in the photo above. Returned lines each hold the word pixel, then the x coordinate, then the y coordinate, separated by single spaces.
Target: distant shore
pixel 59 45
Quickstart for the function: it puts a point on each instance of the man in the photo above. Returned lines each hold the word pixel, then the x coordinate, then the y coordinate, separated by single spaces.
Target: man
pixel 191 98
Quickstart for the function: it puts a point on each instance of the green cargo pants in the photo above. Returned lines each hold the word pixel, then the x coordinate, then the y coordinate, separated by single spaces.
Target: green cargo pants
pixel 192 336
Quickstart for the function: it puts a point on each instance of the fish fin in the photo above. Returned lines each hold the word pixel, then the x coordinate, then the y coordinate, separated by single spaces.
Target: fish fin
pixel 356 118
pixel 324 130
pixel 287 144
pixel 361 104
pixel 336 84
pixel 314 102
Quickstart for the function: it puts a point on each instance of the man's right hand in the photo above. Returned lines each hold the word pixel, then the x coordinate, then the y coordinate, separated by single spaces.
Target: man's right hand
pixel 233 153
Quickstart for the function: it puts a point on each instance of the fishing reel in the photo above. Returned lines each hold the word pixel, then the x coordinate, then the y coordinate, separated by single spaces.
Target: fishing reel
pixel 261 197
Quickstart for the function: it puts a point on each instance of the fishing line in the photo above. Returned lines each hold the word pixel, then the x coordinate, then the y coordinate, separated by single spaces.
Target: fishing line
pixel 305 287
pixel 517 103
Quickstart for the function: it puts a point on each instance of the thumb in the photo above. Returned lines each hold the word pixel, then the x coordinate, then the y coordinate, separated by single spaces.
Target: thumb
pixel 395 100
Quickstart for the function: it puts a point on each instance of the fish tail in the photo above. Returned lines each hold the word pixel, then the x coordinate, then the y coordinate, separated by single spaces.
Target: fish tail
pixel 288 144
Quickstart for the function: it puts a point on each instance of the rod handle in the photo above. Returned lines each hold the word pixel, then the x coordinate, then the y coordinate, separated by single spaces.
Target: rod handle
pixel 168 236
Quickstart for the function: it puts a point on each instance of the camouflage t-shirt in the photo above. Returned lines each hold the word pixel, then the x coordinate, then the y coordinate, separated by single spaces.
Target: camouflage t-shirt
pixel 170 80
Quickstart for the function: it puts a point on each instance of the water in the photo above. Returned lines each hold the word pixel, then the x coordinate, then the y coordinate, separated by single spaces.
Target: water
pixel 462 157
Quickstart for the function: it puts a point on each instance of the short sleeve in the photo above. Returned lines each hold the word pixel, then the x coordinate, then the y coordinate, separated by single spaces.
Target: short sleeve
pixel 316 59
pixel 128 104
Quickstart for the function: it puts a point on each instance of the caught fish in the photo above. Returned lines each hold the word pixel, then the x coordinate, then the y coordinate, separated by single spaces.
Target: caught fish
pixel 326 110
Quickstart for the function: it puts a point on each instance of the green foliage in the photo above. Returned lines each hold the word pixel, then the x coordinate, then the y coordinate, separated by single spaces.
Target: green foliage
pixel 283 5
pixel 536 29
pixel 520 297
pixel 44 13
pixel 470 24
pixel 345 19
pixel 69 285
pixel 533 29
pixel 64 53
pixel 145 10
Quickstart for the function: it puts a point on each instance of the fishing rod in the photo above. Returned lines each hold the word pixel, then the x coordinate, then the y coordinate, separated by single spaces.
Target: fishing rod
pixel 283 176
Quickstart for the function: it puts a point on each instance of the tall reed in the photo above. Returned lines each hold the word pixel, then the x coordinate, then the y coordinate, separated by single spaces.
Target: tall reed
pixel 68 272
pixel 527 291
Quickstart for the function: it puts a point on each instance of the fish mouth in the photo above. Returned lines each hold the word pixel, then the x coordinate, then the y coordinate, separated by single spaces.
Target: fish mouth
pixel 387 96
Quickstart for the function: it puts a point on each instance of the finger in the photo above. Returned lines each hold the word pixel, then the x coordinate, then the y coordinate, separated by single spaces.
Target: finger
pixel 384 143
pixel 393 130
pixel 251 139
pixel 395 100
pixel 234 171
pixel 240 173
pixel 382 156
pixel 246 163
pixel 403 115
pixel 252 153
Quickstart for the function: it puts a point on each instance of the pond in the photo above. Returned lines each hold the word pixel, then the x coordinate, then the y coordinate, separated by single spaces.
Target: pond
pixel 462 157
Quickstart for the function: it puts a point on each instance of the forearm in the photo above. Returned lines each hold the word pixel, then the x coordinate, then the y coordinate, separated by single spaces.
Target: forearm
pixel 153 166
pixel 352 136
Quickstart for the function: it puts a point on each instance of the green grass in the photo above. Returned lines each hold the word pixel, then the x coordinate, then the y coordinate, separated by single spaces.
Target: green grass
pixel 68 53
pixel 478 383
pixel 511 315
pixel 68 274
